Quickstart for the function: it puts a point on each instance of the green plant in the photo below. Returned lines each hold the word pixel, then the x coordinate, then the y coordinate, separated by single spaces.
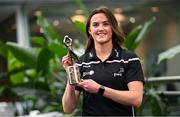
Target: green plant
pixel 168 54
pixel 155 102
pixel 35 75
pixel 135 37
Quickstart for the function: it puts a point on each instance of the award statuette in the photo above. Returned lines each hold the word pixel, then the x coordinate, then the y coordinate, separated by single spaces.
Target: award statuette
pixel 72 71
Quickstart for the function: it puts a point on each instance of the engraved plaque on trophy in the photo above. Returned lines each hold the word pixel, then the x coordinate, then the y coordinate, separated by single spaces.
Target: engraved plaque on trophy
pixel 72 71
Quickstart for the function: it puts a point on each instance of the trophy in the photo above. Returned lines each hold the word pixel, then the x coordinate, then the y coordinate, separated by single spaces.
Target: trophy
pixel 72 71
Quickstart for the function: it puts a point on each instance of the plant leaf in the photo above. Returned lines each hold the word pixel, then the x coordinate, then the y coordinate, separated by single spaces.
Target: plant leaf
pixel 17 70
pixel 58 48
pixel 35 89
pixel 80 26
pixel 137 34
pixel 2 88
pixel 23 54
pixel 49 31
pixel 17 78
pixel 82 7
pixel 43 59
pixel 39 40
pixel 3 49
pixel 157 103
pixel 130 40
pixel 168 54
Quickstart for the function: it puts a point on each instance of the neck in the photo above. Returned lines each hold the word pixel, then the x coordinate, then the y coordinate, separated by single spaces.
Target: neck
pixel 103 51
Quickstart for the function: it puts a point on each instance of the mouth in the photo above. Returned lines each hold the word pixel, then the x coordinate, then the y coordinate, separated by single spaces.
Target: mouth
pixel 101 34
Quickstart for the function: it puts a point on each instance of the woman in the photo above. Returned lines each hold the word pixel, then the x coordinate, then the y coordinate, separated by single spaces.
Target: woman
pixel 112 77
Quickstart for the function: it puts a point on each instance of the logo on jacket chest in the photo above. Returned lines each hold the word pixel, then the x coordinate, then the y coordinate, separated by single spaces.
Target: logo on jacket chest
pixel 119 72
pixel 91 72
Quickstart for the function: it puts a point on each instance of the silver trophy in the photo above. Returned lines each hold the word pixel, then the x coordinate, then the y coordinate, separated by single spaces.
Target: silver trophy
pixel 72 71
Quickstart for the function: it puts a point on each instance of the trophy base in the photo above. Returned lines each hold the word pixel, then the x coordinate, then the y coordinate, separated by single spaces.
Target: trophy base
pixel 73 74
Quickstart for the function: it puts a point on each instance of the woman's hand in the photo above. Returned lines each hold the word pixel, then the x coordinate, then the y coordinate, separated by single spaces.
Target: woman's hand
pixel 66 61
pixel 89 85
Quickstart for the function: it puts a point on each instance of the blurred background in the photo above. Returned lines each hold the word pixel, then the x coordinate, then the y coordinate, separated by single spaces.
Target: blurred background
pixel 31 33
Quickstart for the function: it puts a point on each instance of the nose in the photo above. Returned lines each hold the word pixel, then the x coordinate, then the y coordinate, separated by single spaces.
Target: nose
pixel 101 27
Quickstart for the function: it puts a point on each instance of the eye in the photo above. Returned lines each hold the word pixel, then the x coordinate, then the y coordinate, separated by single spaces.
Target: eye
pixel 95 24
pixel 106 23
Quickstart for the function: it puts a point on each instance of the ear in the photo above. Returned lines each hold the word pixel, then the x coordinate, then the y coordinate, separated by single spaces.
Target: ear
pixel 89 30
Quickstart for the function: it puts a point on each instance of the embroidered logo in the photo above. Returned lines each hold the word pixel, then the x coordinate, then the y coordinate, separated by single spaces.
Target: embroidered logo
pixel 88 73
pixel 119 73
pixel 90 55
pixel 117 53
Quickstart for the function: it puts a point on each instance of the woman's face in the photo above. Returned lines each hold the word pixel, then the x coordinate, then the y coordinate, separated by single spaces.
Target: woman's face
pixel 100 29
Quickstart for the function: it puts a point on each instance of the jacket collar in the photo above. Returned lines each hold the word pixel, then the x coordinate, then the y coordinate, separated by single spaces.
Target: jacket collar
pixel 115 53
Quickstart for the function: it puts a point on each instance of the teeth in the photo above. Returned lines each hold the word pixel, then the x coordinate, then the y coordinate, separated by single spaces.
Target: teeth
pixel 101 34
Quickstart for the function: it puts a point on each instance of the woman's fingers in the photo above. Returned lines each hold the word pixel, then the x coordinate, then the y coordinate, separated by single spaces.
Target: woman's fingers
pixel 66 61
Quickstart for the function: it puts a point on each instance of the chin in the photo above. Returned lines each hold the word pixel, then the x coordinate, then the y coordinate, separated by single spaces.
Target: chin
pixel 103 42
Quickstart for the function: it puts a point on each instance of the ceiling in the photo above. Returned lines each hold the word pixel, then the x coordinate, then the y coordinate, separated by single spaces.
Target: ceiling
pixel 8 7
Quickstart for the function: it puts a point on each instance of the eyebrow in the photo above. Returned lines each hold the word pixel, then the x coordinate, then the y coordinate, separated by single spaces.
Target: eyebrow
pixel 101 22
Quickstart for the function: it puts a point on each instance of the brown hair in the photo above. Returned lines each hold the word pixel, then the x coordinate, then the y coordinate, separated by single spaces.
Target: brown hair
pixel 117 36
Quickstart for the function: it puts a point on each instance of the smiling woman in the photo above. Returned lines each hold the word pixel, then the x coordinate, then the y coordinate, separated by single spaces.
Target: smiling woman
pixel 115 88
pixel 100 30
